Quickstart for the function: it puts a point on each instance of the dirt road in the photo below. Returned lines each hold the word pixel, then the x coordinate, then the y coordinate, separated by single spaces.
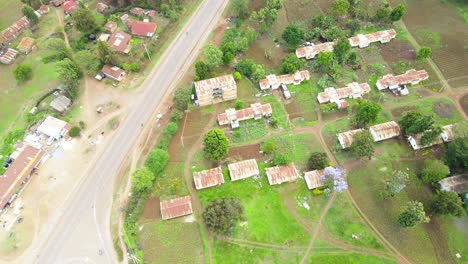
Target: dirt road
pixel 79 232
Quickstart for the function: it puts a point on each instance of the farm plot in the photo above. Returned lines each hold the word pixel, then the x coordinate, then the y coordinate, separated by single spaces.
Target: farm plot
pixel 248 131
pixel 445 111
pixel 171 183
pixel 352 258
pixel 448 35
pixel 245 152
pixel 302 106
pixel 171 242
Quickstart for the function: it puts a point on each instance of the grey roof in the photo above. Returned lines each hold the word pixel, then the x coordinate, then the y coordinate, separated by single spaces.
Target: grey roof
pixel 458 184
pixel 60 103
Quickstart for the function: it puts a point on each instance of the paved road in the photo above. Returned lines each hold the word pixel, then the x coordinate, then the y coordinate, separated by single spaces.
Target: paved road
pixel 81 234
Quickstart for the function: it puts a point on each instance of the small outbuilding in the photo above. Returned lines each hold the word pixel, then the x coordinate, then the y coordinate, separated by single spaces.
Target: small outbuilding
pixel 208 178
pixel 8 56
pixel 457 184
pixel 280 174
pixel 113 72
pixel 60 103
pixel 110 26
pixel 177 207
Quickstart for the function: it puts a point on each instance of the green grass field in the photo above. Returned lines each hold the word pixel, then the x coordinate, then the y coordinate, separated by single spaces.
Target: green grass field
pixel 10 12
pixel 350 258
pixel 248 131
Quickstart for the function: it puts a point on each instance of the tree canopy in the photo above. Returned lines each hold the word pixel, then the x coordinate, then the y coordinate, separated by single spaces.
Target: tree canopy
pixel 339 7
pixel 341 50
pixel 28 12
pixel 106 54
pixel 84 20
pixel 182 98
pixel 318 161
pixel 414 122
pixel 413 214
pixel 447 203
pixel 424 53
pixel 157 161
pixel 142 180
pixel 434 170
pixel 88 62
pixel 363 144
pixel 281 159
pixel 240 8
pixel 213 55
pixel 291 63
pixel 430 135
pixel 366 113
pixel 398 12
pixel 324 61
pixel 221 215
pixel 22 72
pixel 268 14
pixel 216 144
pixel 269 147
pixel 201 71
pixel 293 35
pixel 457 153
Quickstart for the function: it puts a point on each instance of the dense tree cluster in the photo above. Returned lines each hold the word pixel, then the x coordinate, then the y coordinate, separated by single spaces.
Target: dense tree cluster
pixel 221 215
pixel 157 160
pixel 216 144
pixel 250 69
pixel 84 20
pixel 457 153
pixel 267 15
pixel 22 72
pixel 413 214
pixel 447 203
pixel 363 144
pixel 293 35
pixel 366 113
pixel 236 41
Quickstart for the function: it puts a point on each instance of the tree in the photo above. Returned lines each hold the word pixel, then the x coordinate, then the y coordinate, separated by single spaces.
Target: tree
pixel 237 76
pixel 354 25
pixel 22 73
pixel 106 54
pixel 69 72
pixel 213 55
pixel 363 144
pixel 142 180
pixel 74 131
pixel 281 159
pixel 430 135
pixel 457 153
pixel 259 73
pixel 267 15
pixel 366 113
pixel 413 214
pixel 446 203
pixel 84 20
pixel 414 122
pixel 424 53
pixel 216 144
pixel 434 170
pixel 291 64
pixel 239 104
pixel 221 215
pixel 240 8
pixel 269 148
pixel 382 14
pixel 88 62
pixel 318 161
pixel 171 128
pixel 181 98
pixel 324 61
pixel 246 67
pixel 157 161
pixel 201 70
pixel 28 12
pixel 341 50
pixel 395 183
pixel 398 12
pixel 339 7
pixel 293 35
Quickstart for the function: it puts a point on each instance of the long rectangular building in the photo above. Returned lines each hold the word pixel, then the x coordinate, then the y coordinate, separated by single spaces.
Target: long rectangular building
pixel 379 132
pixel 352 90
pixel 363 40
pixel 280 174
pixel 447 135
pixel 177 207
pixel 243 169
pixel 208 178
pixel 309 52
pixel 25 160
pixel 412 76
pixel 216 90
pixel 274 82
pixel 255 111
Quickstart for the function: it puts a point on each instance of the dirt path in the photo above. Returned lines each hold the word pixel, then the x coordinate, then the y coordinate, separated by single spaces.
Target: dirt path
pixel 60 19
pixel 317 227
pixel 193 193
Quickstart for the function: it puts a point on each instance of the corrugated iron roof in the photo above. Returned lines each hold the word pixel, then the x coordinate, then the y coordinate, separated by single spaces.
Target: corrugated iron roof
pixel 351 89
pixel 363 40
pixel 231 114
pixel 385 131
pixel 243 169
pixel 346 139
pixel 410 76
pixel 176 207
pixel 208 178
pixel 311 51
pixel 314 179
pixel 273 80
pixel 205 87
pixel 280 174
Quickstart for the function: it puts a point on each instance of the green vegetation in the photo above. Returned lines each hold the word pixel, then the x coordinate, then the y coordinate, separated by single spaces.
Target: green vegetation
pixel 83 20
pixel 157 161
pixel 213 55
pixel 74 131
pixel 318 161
pixel 248 131
pixel 351 258
pixel 456 154
pixel 363 144
pixel 447 203
pixel 142 180
pixel 215 144
pixel 424 53
pixel 29 13
pixel 201 71
pixel 222 215
pixel 22 73
pixel 412 215
pixel 366 113
pixel 293 35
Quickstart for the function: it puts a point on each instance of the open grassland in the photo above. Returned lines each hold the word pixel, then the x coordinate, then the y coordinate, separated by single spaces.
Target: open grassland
pixel 443 110
pixel 302 107
pixel 349 258
pixel 171 242
pixel 263 211
pixel 10 12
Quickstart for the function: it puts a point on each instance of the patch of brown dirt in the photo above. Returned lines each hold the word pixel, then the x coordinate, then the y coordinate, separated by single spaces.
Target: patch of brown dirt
pixel 398 51
pixel 443 109
pixel 334 115
pixel 151 209
pixel 401 110
pixel 246 152
pixel 464 103
pixel 218 32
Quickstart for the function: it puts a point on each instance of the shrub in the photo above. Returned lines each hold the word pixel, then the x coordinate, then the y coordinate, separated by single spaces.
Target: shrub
pixel 237 76
pixel 434 170
pixel 239 104
pixel 318 161
pixel 221 215
pixel 157 161
pixel 281 159
pixel 22 73
pixel 268 148
pixel 216 144
pixel 74 131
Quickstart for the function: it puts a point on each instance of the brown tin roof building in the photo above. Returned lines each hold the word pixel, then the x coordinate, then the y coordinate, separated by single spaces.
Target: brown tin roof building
pixel 120 41
pixel 346 139
pixel 208 178
pixel 412 76
pixel 177 207
pixel 26 45
pixel 363 40
pixel 309 52
pixel 314 179
pixel 12 32
pixel 25 159
pixel 9 56
pixel 255 111
pixel 113 72
pixel 280 174
pixel 142 28
pixel 243 169
pixel 137 11
pixel 216 90
pixel 457 184
pixel 352 90
pixel 274 82
pixel 385 131
pixel 110 26
pixel 101 7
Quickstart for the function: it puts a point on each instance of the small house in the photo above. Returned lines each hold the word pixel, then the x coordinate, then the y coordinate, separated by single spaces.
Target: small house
pixel 177 207
pixel 142 28
pixel 137 11
pixel 363 40
pixel 384 131
pixel 60 103
pixel 113 72
pixel 101 7
pixel 255 111
pixel 8 56
pixel 280 174
pixel 110 26
pixel 346 139
pixel 447 135
pixel 26 45
pixel 391 82
pixel 309 52
pixel 53 127
pixel 243 169
pixel 274 82
pixel 69 6
pixel 208 178
pixel 315 179
pixel 120 42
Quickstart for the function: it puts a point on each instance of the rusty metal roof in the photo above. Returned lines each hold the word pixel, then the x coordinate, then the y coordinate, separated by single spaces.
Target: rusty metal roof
pixel 208 178
pixel 205 87
pixel 254 110
pixel 314 179
pixel 243 169
pixel 311 51
pixel 363 40
pixel 346 139
pixel 385 131
pixel 353 89
pixel 280 174
pixel 176 207
pixel 410 76
pixel 273 80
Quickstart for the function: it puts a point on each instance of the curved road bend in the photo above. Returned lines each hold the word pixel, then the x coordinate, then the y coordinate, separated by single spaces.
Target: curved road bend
pixel 81 233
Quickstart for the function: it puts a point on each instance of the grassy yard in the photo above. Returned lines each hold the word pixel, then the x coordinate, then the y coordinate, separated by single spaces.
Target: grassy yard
pixel 349 258
pixel 10 12
pixel 263 211
pixel 172 183
pixel 171 242
pixel 248 131
pixel 302 108
pixel 278 111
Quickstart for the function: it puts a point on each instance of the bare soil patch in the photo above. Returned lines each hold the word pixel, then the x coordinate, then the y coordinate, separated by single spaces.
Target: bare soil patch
pixel 151 209
pixel 443 109
pixel 397 51
pixel 464 103
pixel 246 152
pixel 295 110
pixel 401 110
pixel 218 32
pixel 334 115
